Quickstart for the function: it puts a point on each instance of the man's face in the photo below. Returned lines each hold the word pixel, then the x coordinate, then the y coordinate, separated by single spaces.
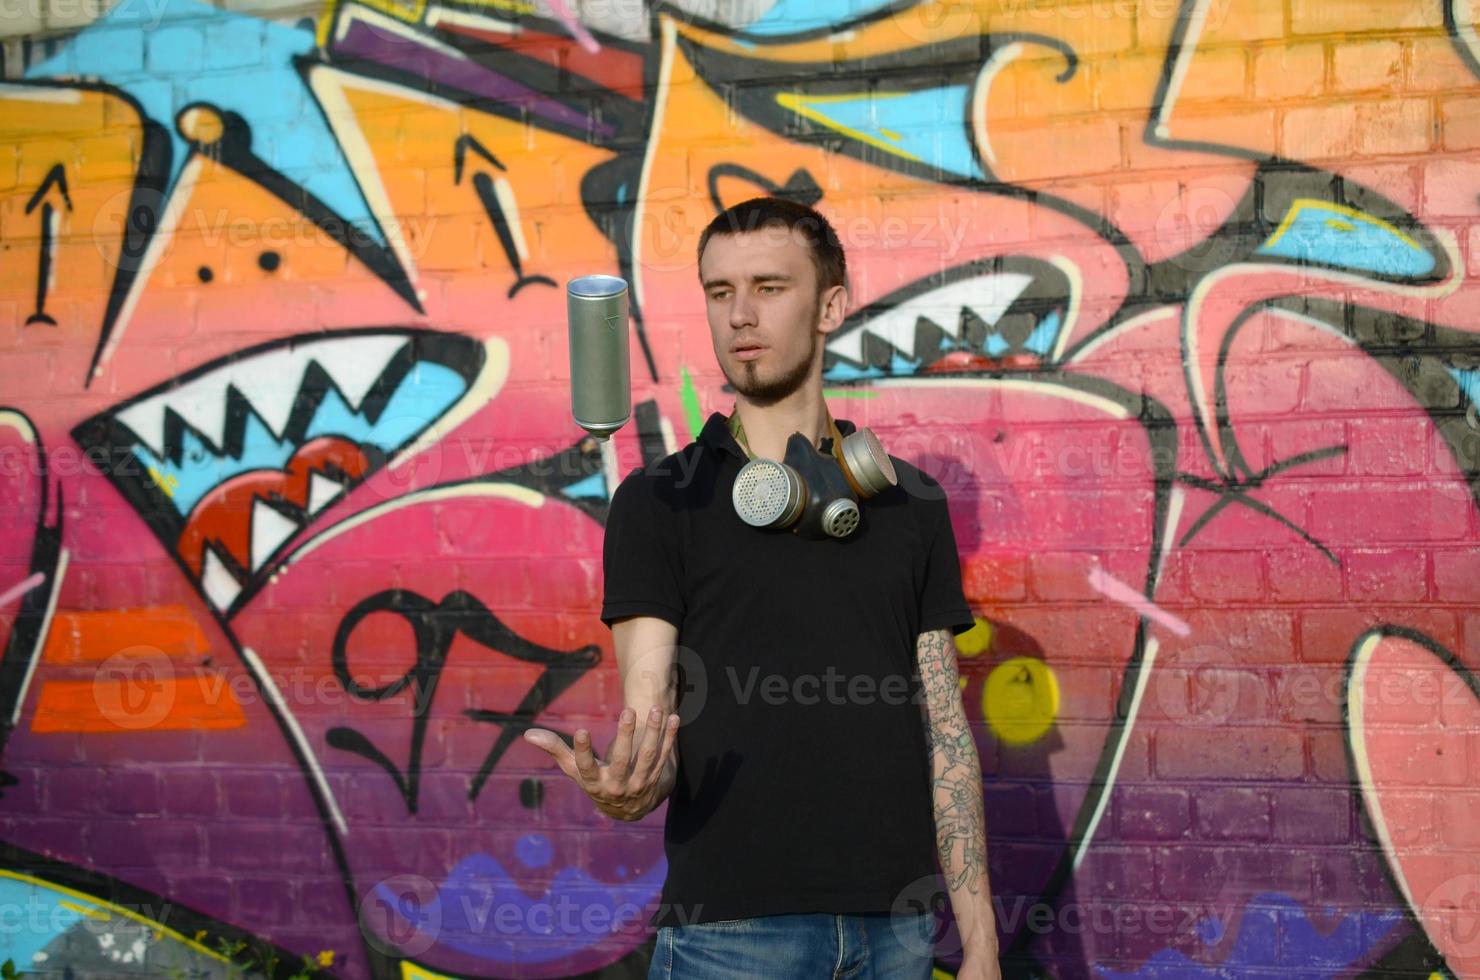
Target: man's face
pixel 767 318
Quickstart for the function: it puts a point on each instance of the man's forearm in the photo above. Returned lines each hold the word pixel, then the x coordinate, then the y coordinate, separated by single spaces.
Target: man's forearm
pixel 956 789
pixel 961 835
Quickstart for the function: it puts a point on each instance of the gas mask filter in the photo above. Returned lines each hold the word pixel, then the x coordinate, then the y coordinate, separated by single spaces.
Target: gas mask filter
pixel 812 493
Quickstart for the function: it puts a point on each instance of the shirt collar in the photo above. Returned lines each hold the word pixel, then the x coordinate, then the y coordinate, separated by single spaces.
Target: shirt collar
pixel 716 435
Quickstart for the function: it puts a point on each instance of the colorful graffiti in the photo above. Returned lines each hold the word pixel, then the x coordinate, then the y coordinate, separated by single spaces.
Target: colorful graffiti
pixel 299 537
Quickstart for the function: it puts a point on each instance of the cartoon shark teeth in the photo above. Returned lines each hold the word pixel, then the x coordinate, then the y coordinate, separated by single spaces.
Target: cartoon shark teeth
pixel 234 460
pixel 986 296
pixel 321 491
pixel 269 530
pixel 217 581
pixel 269 382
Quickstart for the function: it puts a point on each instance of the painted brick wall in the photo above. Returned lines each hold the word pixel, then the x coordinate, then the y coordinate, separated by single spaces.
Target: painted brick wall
pixel 298 534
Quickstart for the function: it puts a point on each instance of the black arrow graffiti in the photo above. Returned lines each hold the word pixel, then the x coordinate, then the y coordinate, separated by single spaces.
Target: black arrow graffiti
pixel 56 176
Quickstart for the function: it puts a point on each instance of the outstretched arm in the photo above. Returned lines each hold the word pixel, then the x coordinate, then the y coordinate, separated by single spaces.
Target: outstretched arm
pixel 960 826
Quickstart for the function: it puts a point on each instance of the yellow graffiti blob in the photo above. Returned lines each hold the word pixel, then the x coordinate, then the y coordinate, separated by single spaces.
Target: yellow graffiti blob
pixel 975 641
pixel 1020 700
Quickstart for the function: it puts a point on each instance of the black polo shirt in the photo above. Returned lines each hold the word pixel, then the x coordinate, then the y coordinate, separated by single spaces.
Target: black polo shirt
pixel 804 779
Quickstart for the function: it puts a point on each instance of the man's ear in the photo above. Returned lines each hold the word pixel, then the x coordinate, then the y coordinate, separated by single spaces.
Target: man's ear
pixel 834 303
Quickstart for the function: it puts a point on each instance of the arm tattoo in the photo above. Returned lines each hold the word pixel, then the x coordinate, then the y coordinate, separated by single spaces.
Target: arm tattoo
pixel 960 825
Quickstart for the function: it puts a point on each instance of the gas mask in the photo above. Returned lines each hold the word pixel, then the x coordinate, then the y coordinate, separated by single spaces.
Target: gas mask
pixel 814 494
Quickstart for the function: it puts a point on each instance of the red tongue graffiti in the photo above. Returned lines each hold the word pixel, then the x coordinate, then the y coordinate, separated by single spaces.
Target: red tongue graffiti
pixel 247 518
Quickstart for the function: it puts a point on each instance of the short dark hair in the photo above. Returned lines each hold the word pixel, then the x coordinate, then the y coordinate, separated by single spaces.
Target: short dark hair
pixel 762 212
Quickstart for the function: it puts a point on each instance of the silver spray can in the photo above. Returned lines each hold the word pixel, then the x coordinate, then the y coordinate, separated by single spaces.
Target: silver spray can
pixel 600 381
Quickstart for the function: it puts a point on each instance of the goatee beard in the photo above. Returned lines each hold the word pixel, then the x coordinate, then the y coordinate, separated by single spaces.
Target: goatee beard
pixel 772 390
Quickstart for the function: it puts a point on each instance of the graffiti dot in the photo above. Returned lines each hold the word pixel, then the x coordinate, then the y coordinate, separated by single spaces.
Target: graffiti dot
pixel 976 640
pixel 200 124
pixel 531 792
pixel 269 261
pixel 1020 700
pixel 533 850
pixel 205 273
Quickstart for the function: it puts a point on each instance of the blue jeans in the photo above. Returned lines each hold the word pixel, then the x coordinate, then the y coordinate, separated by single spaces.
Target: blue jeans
pixel 805 946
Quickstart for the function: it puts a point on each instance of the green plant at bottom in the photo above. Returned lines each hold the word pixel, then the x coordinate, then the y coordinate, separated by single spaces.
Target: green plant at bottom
pixel 244 958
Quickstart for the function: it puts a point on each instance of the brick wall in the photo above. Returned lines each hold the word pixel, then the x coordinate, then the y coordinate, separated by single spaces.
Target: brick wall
pixel 299 534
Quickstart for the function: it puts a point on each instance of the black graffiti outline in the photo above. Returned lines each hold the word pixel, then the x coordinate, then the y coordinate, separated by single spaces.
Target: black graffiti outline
pixel 1184 38
pixel 1461 47
pixel 801 186
pixel 435 626
pixel 1159 426
pixel 1235 492
pixel 55 177
pixel 1048 290
pixel 1420 947
pixel 23 646
pixel 103 432
pixel 488 197
pixel 159 908
pixel 150 178
pixel 234 150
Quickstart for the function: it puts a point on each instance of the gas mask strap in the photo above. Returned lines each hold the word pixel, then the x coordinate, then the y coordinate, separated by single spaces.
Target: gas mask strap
pixel 737 429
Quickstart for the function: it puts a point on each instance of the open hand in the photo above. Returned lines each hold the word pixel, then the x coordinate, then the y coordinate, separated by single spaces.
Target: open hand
pixel 634 779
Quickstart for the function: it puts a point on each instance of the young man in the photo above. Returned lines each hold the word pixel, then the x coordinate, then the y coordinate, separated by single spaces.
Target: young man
pixel 803 794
